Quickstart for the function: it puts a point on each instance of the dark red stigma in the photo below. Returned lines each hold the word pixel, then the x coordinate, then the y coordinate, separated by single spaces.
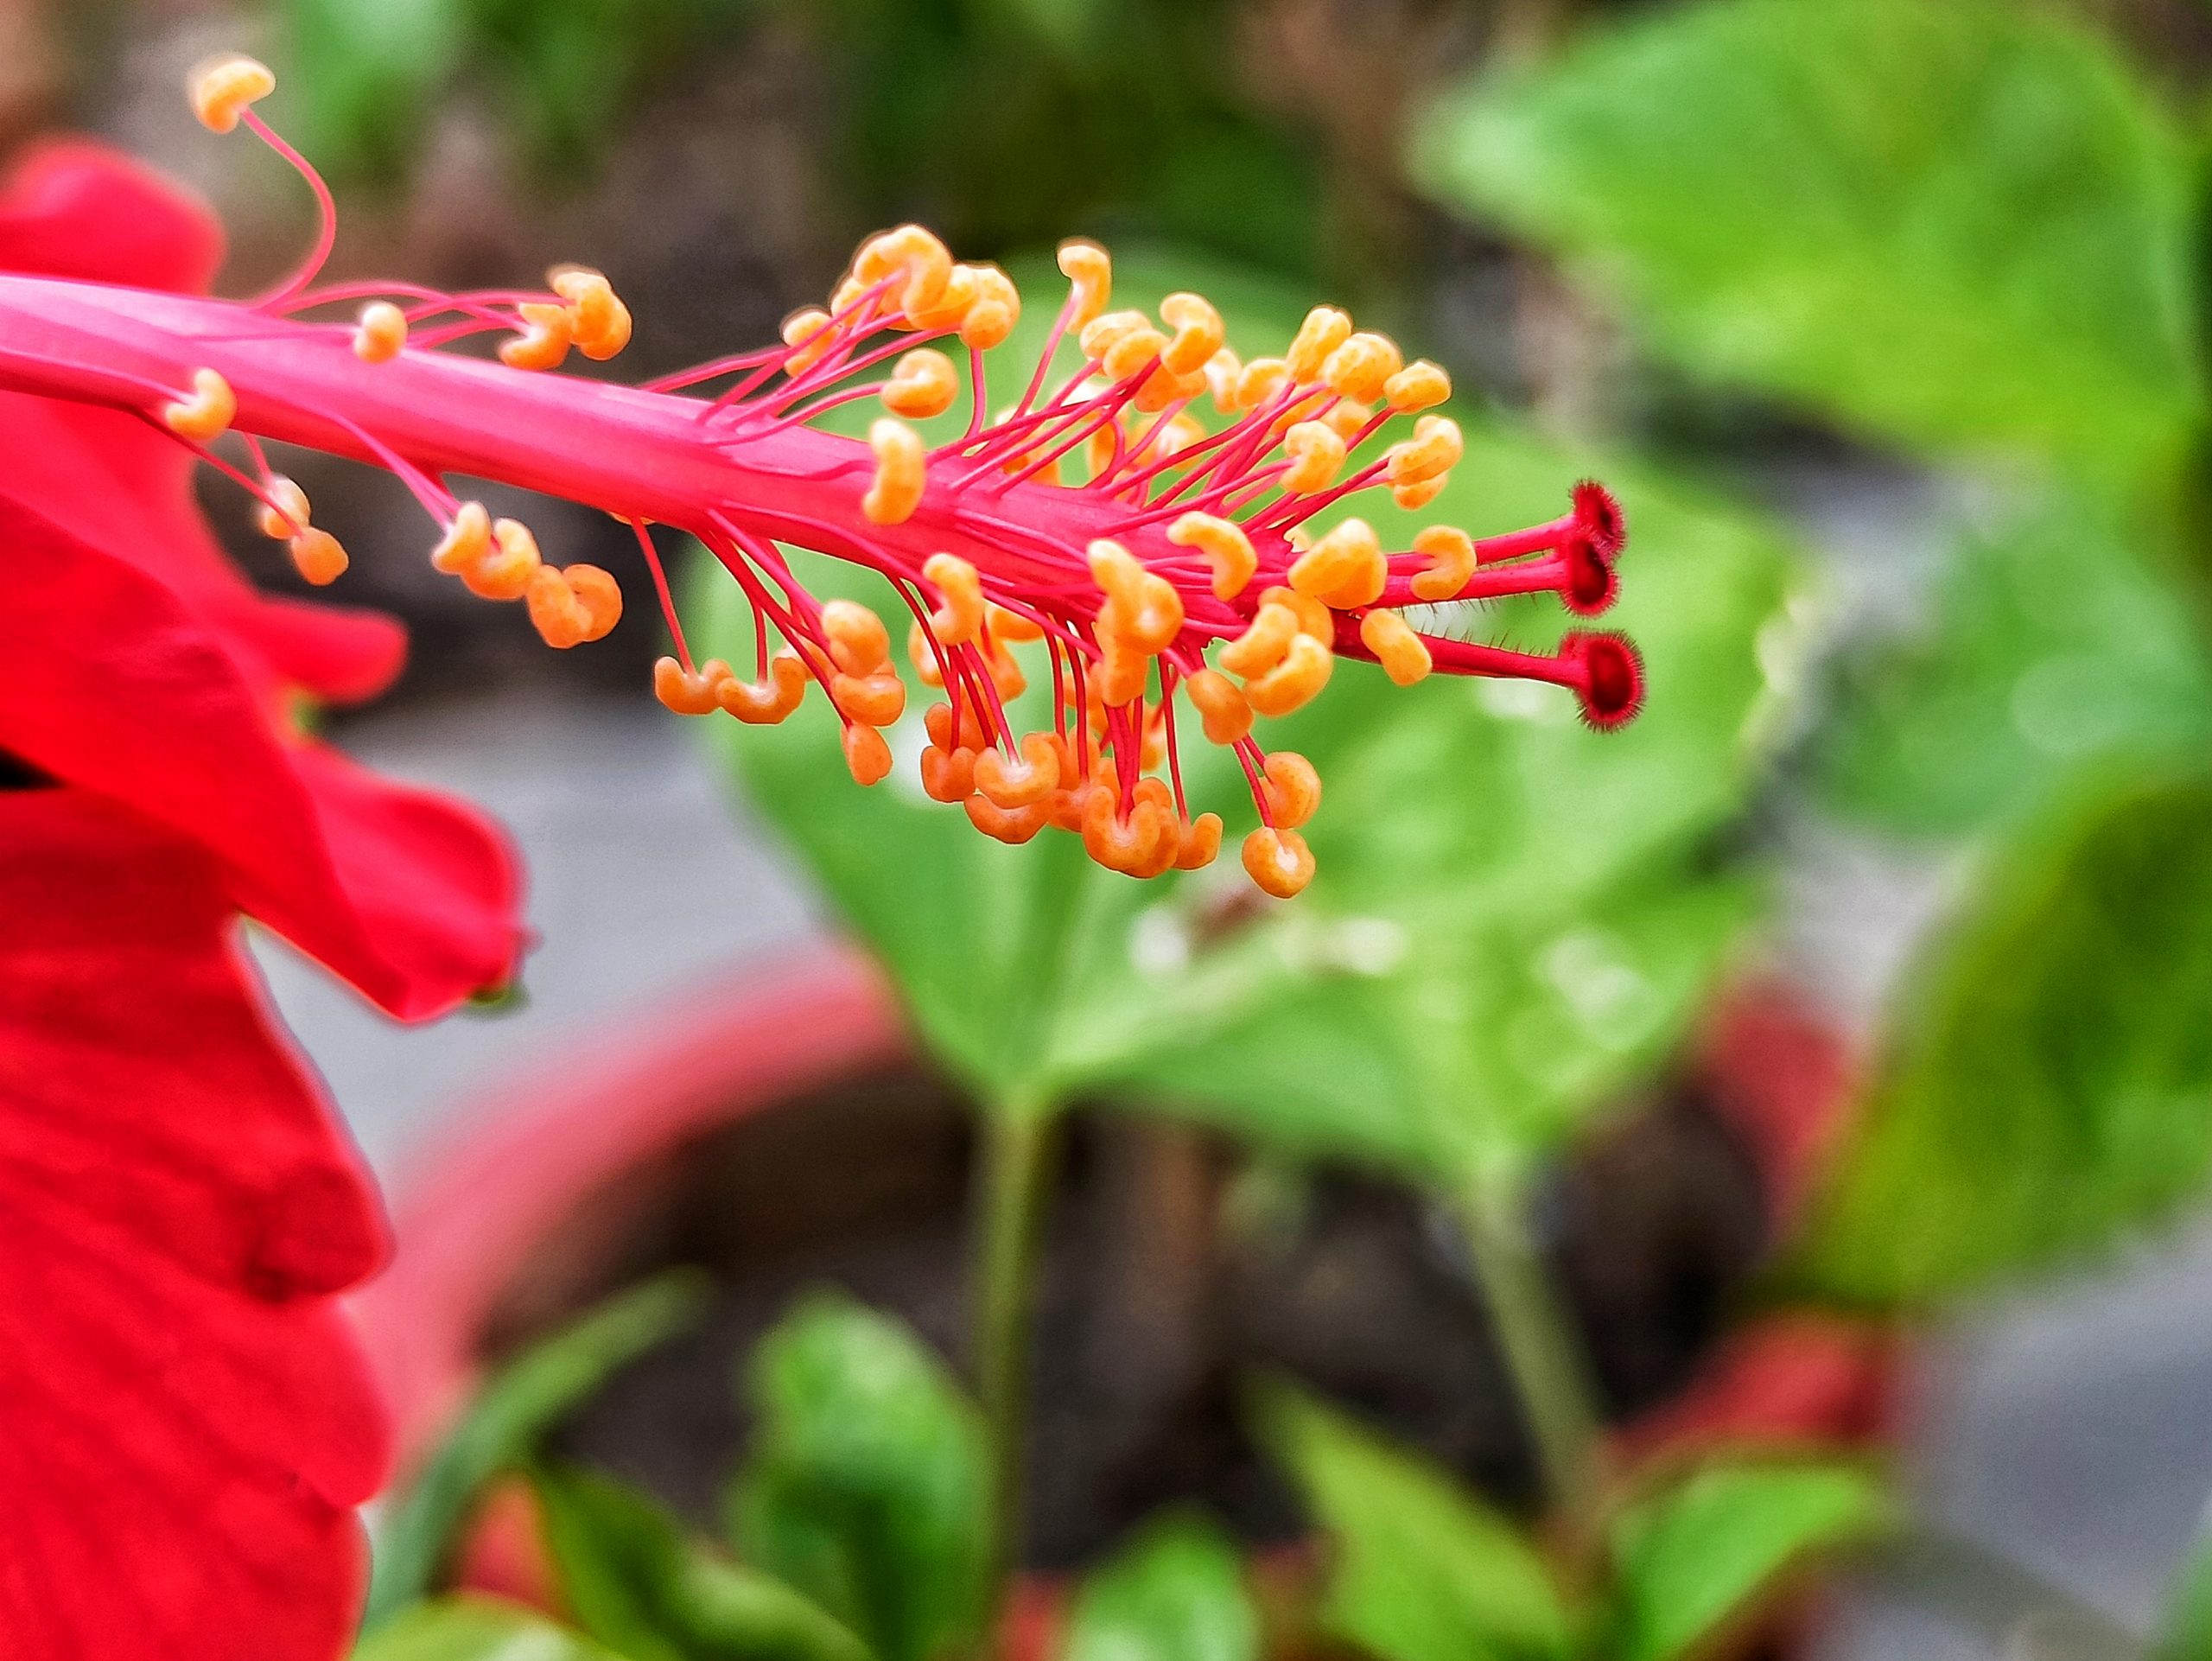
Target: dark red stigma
pixel 1612 683
pixel 1593 584
pixel 1599 513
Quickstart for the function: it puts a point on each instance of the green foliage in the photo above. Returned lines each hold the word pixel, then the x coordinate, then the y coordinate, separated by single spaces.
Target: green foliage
pixel 1688 1560
pixel 474 1629
pixel 1424 1570
pixel 865 1484
pixel 1958 224
pixel 2186 1632
pixel 370 73
pixel 2053 647
pixel 505 1423
pixel 2052 1081
pixel 638 1585
pixel 1174 1594
pixel 1546 882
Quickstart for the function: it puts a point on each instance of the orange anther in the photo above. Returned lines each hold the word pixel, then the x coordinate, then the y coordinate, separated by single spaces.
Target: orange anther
pixel 1012 825
pixel 1090 277
pixel 1362 366
pixel 807 332
pixel 505 573
pixel 922 385
pixel 1160 390
pixel 1313 617
pixel 206 415
pixel 1018 781
pixel 222 88
pixel 1223 372
pixel 1006 671
pixel 1347 419
pixel 381 332
pixel 1121 673
pixel 1419 493
pixel 1142 607
pixel 1222 708
pixel 1258 381
pixel 1013 626
pixel 938 719
pixel 1324 329
pixel 688 694
pixel 950 308
pixel 468 539
pixel 1345 569
pixel 1315 452
pixel 599 322
pixel 1131 351
pixel 284 515
pixel 1109 329
pixel 1167 839
pixel 1420 385
pixel 859 644
pixel 572 606
pixel 1293 788
pixel 1293 683
pixel 1199 844
pixel 958 618
pixel 542 341
pixel 914 252
pixel 1264 642
pixel 1121 845
pixel 1225 546
pixel 874 700
pixel 1400 651
pixel 948 775
pixel 867 758
pixel 1451 555
pixel 1198 331
pixel 997 308
pixel 765 702
pixel 920 653
pixel 1279 862
pixel 1435 448
pixel 317 556
pixel 900 472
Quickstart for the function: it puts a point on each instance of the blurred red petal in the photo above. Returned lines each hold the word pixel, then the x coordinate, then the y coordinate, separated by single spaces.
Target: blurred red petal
pixel 186 1421
pixel 73 208
pixel 115 685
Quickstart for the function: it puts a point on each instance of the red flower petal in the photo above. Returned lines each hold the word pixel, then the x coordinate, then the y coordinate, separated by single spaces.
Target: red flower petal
pixel 185 1420
pixel 73 208
pixel 113 684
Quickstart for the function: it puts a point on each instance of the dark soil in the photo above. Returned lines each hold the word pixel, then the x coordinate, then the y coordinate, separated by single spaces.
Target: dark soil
pixel 1171 1279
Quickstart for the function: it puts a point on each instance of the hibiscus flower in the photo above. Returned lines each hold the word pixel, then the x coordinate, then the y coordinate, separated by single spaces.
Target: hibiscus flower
pixel 185 1423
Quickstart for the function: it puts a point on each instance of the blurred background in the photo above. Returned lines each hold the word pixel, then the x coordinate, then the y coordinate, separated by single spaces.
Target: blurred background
pixel 1882 317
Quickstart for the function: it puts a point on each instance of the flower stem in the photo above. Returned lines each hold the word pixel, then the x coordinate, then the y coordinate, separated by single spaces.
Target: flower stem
pixel 1020 1160
pixel 1543 1358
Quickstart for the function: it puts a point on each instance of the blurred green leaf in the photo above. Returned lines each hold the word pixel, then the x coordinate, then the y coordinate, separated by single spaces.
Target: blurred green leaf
pixel 503 1423
pixel 2054 646
pixel 2185 1634
pixel 1174 1594
pixel 1954 223
pixel 1690 1560
pixel 474 1629
pixel 2052 1084
pixel 865 1484
pixel 367 74
pixel 1425 1571
pixel 635 1583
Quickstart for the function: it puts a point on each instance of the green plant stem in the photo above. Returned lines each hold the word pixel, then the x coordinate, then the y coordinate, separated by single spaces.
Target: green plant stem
pixel 1544 1358
pixel 1018 1167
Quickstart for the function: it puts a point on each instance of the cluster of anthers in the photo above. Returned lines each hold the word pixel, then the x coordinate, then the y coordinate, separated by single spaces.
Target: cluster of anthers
pixel 1179 533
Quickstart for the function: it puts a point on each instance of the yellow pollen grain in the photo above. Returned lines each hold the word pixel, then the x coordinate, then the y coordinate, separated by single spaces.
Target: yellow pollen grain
pixel 1404 659
pixel 222 88
pixel 207 414
pixel 381 332
pixel 1451 555
pixel 901 466
pixel 1225 546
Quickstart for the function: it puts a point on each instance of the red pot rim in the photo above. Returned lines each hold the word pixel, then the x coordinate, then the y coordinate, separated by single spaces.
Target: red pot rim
pixel 467 1215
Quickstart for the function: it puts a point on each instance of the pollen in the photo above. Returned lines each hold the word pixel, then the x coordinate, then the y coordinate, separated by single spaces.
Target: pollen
pixel 381 333
pixel 1264 642
pixel 318 557
pixel 505 571
pixel 1317 455
pixel 1223 710
pixel 1324 329
pixel 910 253
pixel 1420 385
pixel 573 605
pixel 901 466
pixel 1362 366
pixel 867 756
pixel 207 414
pixel 1225 546
pixel 859 644
pixel 599 323
pixel 284 514
pixel 996 311
pixel 1278 862
pixel 1346 569
pixel 542 341
pixel 466 540
pixel 808 332
pixel 1022 781
pixel 1450 552
pixel 768 701
pixel 223 87
pixel 958 618
pixel 1396 646
pixel 1198 332
pixel 1090 273
pixel 1295 681
pixel 922 385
